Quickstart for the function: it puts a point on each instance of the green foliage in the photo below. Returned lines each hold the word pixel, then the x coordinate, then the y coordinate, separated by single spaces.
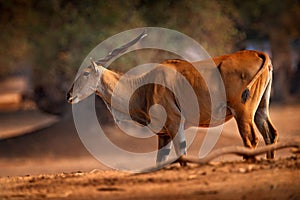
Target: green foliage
pixel 210 22
pixel 53 37
pixel 59 33
pixel 261 18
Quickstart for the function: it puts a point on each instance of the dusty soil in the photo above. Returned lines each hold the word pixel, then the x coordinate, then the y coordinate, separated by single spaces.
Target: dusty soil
pixel 52 163
pixel 222 180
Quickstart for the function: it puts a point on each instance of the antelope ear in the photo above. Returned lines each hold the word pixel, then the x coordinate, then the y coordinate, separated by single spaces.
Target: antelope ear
pixel 97 68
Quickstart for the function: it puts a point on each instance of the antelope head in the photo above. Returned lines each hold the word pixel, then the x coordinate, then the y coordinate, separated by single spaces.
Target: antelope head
pixel 89 79
pixel 85 84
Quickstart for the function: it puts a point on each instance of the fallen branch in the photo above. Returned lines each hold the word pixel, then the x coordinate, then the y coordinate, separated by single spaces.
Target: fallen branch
pixel 241 151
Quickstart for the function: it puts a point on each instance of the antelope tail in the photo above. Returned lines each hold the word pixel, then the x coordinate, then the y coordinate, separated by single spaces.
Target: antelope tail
pixel 265 66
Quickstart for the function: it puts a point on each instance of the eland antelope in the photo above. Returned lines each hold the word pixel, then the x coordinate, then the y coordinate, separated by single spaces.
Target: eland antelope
pixel 247 79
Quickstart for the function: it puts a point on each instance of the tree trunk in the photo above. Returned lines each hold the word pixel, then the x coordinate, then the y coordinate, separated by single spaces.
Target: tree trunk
pixel 281 59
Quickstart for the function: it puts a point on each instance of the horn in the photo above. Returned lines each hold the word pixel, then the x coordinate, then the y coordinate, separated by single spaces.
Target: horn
pixel 94 64
pixel 121 49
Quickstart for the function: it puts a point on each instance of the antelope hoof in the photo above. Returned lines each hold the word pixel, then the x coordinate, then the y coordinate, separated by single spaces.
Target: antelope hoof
pixel 250 159
pixel 181 161
pixel 270 155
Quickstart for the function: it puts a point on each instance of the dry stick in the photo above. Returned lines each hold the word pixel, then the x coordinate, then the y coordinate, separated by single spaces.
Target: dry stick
pixel 242 151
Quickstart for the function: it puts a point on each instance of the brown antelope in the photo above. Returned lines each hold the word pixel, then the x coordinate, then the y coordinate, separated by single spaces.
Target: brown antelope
pixel 247 78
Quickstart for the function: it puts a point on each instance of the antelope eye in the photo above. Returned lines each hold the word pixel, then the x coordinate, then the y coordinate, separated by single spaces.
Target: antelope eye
pixel 86 73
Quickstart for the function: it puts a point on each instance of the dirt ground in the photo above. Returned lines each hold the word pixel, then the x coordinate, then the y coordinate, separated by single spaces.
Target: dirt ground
pixel 52 163
pixel 230 180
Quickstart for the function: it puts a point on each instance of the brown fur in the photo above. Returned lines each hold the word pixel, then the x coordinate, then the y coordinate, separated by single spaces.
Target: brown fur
pixel 247 77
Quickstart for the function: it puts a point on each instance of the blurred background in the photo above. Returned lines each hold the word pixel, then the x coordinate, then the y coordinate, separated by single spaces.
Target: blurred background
pixel 43 43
